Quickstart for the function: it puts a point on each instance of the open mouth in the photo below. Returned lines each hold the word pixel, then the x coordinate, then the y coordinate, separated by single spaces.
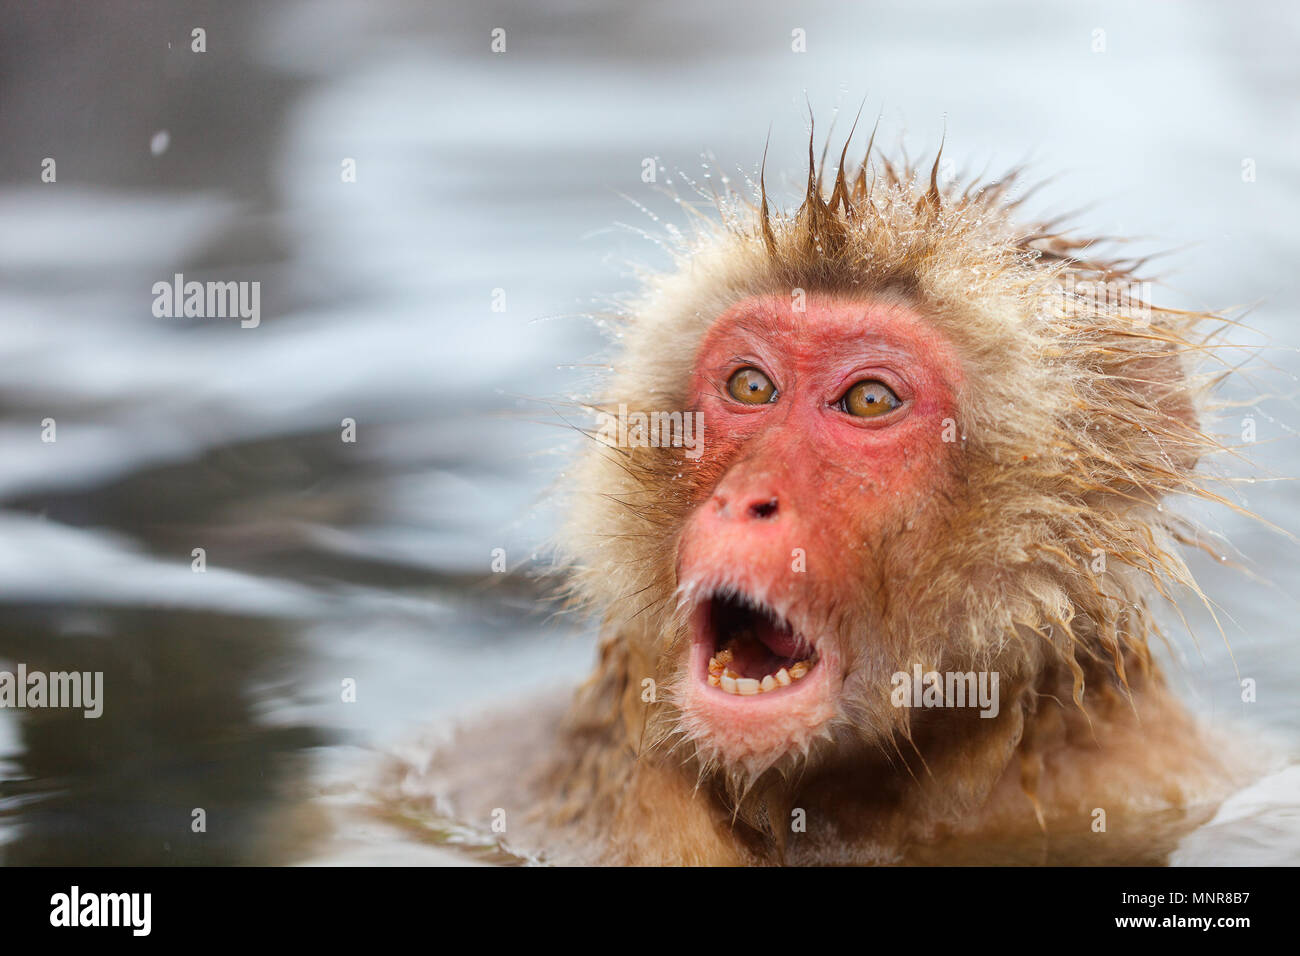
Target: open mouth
pixel 750 649
pixel 761 685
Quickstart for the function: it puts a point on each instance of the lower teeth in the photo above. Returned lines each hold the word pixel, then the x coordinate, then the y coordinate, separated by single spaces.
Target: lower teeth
pixel 720 675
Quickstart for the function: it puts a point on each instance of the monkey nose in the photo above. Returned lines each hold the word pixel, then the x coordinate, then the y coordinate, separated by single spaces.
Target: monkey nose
pixel 748 507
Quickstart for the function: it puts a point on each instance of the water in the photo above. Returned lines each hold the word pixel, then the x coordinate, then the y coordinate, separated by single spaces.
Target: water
pixel 371 562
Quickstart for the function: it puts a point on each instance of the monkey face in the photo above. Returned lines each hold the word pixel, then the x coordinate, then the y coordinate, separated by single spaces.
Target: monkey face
pixel 824 452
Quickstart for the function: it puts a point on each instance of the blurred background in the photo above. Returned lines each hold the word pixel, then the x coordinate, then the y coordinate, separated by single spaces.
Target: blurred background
pixel 441 302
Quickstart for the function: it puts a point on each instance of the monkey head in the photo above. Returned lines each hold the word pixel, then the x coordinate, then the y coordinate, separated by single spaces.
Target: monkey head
pixel 929 437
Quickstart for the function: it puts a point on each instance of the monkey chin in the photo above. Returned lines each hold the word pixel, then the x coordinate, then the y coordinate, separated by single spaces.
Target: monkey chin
pixel 747 713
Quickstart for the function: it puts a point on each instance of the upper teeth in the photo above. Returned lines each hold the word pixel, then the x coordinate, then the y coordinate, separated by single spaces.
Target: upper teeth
pixel 720 675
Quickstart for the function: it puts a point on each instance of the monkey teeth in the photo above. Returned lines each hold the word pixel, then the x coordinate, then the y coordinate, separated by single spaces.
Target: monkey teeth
pixel 722 676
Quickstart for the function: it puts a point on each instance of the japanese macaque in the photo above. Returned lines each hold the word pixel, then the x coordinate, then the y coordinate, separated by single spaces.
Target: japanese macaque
pixel 903 593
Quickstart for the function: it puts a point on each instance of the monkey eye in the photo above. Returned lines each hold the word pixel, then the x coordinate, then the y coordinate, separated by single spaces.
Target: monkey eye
pixel 869 399
pixel 751 386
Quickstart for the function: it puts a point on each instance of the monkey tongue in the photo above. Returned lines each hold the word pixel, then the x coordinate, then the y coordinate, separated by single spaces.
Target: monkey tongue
pixel 782 642
pixel 764 647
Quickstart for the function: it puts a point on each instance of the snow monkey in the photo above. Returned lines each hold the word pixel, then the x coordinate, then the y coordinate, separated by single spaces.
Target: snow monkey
pixel 902 593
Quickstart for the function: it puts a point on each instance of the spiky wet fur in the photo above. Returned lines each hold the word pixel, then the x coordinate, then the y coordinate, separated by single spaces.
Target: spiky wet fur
pixel 1079 417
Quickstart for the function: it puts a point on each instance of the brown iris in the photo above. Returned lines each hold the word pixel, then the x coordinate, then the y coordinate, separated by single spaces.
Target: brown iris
pixel 869 399
pixel 751 386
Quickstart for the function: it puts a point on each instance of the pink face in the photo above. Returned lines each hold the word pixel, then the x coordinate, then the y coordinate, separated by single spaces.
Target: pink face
pixel 825 431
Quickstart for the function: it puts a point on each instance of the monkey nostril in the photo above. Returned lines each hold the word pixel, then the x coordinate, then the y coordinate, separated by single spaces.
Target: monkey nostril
pixel 763 509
